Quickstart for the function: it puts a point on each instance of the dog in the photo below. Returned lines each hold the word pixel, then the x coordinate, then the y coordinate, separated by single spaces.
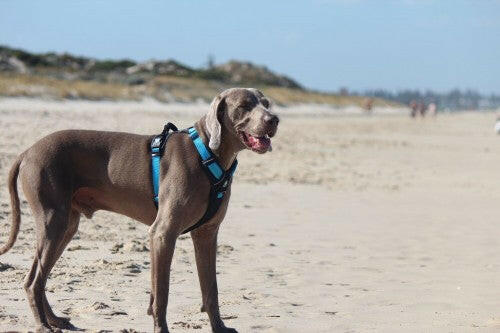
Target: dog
pixel 74 172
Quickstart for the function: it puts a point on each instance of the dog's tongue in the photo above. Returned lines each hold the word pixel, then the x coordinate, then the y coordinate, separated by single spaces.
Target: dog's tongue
pixel 259 143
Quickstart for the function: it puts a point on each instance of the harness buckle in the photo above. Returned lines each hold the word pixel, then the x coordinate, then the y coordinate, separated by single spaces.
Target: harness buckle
pixel 221 186
pixel 209 161
pixel 155 152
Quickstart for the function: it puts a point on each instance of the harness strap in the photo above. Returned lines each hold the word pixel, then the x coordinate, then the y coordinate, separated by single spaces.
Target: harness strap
pixel 155 164
pixel 219 179
pixel 157 147
pixel 207 158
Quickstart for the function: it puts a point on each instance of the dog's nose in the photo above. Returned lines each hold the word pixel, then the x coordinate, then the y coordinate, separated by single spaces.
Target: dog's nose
pixel 271 120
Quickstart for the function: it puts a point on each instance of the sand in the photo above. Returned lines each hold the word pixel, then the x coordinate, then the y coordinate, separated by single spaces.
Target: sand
pixel 352 224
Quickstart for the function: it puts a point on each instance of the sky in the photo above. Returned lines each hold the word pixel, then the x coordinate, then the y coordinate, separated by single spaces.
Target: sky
pixel 323 44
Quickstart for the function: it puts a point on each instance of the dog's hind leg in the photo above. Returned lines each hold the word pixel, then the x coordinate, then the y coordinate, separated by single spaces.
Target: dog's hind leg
pixel 52 319
pixel 51 230
pixel 49 196
pixel 48 187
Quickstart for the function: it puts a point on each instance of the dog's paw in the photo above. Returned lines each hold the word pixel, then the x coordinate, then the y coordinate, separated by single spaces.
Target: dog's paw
pixel 47 329
pixel 159 329
pixel 60 322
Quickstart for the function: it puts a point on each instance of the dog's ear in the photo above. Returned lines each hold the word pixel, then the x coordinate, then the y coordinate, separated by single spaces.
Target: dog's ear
pixel 213 123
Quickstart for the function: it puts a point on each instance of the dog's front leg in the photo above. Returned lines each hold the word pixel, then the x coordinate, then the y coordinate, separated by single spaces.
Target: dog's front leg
pixel 162 240
pixel 205 245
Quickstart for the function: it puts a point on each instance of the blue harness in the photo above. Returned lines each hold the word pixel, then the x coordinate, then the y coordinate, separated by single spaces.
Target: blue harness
pixel 218 177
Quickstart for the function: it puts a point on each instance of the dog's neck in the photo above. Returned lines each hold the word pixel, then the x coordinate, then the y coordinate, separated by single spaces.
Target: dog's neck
pixel 228 149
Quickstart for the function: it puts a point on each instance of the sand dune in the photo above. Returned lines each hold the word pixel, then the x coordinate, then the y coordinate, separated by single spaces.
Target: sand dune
pixel 351 224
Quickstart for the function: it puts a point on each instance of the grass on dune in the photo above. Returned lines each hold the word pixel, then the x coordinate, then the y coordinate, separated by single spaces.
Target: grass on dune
pixel 162 88
pixel 46 87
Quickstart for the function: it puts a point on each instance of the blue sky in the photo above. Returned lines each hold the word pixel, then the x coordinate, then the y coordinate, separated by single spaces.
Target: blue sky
pixel 324 44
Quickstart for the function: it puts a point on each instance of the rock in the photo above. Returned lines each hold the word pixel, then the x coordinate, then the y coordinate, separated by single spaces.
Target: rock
pixel 169 67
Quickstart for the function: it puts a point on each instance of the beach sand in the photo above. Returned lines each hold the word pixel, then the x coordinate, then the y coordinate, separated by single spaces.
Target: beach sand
pixel 352 224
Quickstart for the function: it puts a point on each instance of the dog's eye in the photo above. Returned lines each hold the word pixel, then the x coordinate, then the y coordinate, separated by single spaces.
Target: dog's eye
pixel 265 102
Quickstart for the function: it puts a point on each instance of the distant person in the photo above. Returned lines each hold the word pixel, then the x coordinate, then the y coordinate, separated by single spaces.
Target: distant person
pixel 368 105
pixel 413 107
pixel 418 108
pixel 432 109
pixel 421 108
pixel 497 125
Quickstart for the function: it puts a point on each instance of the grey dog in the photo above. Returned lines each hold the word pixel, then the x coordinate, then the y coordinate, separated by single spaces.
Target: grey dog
pixel 74 172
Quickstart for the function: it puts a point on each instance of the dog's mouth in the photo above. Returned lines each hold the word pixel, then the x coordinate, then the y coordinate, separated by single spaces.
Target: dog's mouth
pixel 258 144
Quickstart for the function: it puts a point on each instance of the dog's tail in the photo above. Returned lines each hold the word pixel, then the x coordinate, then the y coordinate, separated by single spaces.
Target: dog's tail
pixel 14 202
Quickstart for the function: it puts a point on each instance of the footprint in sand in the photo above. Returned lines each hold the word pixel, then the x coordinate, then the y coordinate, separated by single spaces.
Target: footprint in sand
pixel 136 246
pixel 224 249
pixel 77 247
pixel 116 248
pixel 184 324
pixel 8 319
pixel 5 267
pixel 99 306
pixel 229 317
pixel 118 313
pixel 134 268
pixel 296 304
pixel 260 327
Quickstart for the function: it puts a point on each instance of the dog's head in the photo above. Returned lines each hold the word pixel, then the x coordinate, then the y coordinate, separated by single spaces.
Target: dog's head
pixel 244 114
